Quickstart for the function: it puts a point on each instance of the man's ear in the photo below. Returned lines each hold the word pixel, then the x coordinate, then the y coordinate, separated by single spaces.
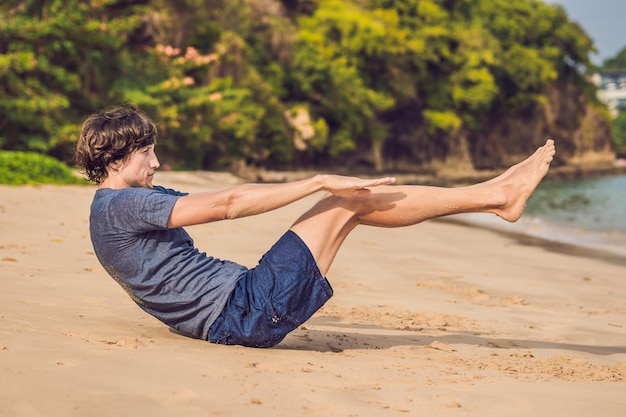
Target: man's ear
pixel 116 165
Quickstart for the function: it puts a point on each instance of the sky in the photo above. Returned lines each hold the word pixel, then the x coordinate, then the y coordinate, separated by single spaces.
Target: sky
pixel 603 20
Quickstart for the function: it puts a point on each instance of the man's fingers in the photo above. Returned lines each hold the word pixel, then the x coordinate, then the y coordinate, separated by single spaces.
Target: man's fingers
pixel 353 185
pixel 363 188
pixel 381 181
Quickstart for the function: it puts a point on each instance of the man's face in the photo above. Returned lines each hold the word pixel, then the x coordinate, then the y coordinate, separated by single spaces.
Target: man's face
pixel 138 170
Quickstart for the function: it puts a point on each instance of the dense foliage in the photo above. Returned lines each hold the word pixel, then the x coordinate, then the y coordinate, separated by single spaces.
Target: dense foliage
pixel 19 168
pixel 618 62
pixel 280 82
pixel 618 126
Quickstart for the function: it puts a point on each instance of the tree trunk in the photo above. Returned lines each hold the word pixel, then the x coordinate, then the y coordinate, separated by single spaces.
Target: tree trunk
pixel 377 155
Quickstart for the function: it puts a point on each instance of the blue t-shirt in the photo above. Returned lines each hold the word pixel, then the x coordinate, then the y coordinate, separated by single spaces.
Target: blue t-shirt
pixel 158 267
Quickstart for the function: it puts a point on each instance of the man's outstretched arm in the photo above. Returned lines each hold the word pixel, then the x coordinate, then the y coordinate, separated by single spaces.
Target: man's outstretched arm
pixel 250 199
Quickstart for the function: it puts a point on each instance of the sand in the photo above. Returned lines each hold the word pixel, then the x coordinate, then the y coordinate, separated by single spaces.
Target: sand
pixel 438 319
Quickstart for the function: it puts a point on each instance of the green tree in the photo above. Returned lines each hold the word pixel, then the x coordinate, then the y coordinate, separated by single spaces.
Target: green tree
pixel 618 62
pixel 57 61
pixel 618 127
pixel 618 124
pixel 536 46
pixel 482 60
pixel 213 105
pixel 340 66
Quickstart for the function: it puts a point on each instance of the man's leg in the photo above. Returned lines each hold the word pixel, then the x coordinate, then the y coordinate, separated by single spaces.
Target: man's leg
pixel 325 226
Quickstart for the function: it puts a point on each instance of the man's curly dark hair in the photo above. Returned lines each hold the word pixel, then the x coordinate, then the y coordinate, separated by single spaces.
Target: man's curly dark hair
pixel 109 136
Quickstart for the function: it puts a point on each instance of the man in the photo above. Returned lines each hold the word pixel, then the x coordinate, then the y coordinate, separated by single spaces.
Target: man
pixel 138 236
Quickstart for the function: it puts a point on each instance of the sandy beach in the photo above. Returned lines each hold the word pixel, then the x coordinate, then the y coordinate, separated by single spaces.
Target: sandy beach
pixel 438 319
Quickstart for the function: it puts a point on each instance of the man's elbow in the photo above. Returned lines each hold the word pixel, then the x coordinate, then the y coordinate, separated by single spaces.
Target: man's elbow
pixel 234 212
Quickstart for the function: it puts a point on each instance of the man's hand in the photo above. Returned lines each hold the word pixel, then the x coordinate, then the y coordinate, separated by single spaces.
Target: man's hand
pixel 341 185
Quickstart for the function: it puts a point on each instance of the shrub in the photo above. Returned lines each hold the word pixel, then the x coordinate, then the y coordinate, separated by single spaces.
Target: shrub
pixel 19 168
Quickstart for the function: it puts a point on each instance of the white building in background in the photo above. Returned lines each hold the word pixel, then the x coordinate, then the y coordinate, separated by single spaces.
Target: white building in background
pixel 612 89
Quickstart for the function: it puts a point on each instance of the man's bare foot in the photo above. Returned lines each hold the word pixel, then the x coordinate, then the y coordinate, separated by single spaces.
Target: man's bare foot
pixel 519 181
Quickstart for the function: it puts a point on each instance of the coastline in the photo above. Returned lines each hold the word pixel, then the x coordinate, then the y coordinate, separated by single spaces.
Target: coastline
pixel 439 318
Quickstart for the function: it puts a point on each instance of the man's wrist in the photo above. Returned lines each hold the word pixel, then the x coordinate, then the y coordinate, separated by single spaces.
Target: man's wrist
pixel 321 182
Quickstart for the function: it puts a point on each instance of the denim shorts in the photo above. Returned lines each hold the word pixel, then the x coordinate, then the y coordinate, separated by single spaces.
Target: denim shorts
pixel 274 298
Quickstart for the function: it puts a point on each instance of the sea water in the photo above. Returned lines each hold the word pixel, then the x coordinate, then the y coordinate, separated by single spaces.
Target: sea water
pixel 588 213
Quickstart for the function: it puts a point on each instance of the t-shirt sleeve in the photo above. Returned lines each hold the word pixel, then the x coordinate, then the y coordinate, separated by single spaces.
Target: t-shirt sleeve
pixel 143 209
